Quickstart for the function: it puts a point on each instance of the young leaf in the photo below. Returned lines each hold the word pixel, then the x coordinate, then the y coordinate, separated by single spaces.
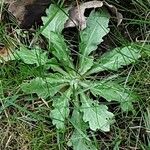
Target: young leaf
pixel 116 59
pixel 34 56
pixel 92 35
pixel 96 115
pixel 88 63
pixel 42 87
pixel 56 18
pixel 61 109
pixel 112 91
pixel 77 140
pixel 55 66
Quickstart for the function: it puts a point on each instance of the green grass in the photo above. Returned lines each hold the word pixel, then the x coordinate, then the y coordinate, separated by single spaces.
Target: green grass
pixel 25 122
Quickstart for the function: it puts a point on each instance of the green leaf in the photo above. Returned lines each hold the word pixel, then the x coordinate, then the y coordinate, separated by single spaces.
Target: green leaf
pixel 60 50
pixel 97 28
pixel 57 78
pixel 57 17
pixel 55 66
pixel 53 31
pixel 77 140
pixel 80 143
pixel 61 109
pixel 42 87
pixel 34 56
pixel 116 59
pixel 88 63
pixel 112 91
pixel 96 115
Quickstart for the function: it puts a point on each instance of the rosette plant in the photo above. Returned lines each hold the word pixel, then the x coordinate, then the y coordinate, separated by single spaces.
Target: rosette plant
pixel 71 86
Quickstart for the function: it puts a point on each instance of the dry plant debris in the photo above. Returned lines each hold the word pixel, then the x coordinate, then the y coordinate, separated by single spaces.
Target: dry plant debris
pixel 27 12
pixel 4 53
pixel 77 18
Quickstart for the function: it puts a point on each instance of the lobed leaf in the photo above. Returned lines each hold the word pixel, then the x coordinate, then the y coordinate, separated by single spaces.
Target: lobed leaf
pixel 96 115
pixel 42 87
pixel 79 139
pixel 116 59
pixel 60 50
pixel 61 109
pixel 56 18
pixel 34 56
pixel 112 91
pixel 92 35
pixel 78 142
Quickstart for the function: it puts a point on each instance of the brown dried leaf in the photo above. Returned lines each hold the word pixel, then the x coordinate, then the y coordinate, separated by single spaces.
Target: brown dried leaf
pixel 76 14
pixel 77 18
pixel 114 11
pixel 4 52
pixel 27 12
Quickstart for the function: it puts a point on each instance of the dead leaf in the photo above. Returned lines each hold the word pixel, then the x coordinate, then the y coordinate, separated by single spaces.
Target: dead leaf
pixel 4 52
pixel 114 11
pixel 27 12
pixel 77 18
